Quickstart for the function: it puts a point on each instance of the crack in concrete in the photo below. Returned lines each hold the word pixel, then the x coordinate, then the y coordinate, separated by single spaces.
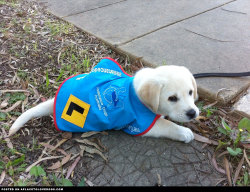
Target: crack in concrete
pixel 162 27
pixel 231 11
pixel 207 37
pixel 77 13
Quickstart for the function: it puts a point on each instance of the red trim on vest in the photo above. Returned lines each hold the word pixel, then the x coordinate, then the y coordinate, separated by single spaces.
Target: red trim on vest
pixel 152 124
pixel 54 110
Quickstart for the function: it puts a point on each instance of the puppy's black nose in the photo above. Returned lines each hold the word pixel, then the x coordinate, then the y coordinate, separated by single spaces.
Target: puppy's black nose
pixel 191 113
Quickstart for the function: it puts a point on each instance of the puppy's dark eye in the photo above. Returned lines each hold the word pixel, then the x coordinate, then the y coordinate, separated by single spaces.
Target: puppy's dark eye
pixel 173 98
pixel 190 92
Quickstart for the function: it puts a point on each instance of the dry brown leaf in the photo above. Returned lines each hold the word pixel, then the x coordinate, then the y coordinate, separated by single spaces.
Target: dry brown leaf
pixel 66 159
pixel 34 90
pixel 24 103
pixel 40 160
pixel 85 154
pixel 14 79
pixel 47 145
pixel 43 152
pixel 45 149
pixel 74 156
pixel 62 151
pixel 88 155
pixel 58 144
pixel 201 118
pixel 88 134
pixel 59 55
pixel 88 182
pixel 55 165
pixel 159 179
pixel 85 141
pixel 67 135
pixel 210 105
pixel 245 155
pixel 214 163
pixel 246 145
pixel 237 172
pixel 72 167
pixel 204 139
pixel 204 145
pixel 220 180
pixel 93 151
pixel 12 107
pixel 13 91
pixel 4 103
pixel 2 177
pixel 223 153
pixel 81 152
pixel 226 164
pixel 9 144
pixel 100 143
pixel 16 152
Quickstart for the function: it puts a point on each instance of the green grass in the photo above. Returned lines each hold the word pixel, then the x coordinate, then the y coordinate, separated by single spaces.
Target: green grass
pixel 56 28
pixel 11 3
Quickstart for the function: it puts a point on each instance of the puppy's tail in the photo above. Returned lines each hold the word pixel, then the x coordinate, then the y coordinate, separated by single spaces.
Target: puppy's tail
pixel 43 109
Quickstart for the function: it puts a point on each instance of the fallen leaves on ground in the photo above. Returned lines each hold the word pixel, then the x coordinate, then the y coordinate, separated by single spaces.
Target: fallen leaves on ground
pixel 204 139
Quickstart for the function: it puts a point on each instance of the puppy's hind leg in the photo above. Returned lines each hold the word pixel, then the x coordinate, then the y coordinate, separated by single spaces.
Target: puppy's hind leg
pixel 43 109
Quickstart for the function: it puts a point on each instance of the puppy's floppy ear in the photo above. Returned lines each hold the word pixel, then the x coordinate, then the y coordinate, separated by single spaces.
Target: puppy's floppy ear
pixel 150 92
pixel 195 88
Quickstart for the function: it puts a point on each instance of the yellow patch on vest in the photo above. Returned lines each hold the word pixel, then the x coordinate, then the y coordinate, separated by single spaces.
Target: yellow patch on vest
pixel 75 111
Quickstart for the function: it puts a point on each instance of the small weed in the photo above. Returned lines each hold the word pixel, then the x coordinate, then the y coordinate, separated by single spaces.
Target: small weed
pixel 244 180
pixel 61 181
pixel 47 79
pixel 60 75
pixel 16 97
pixel 37 171
pixel 81 183
pixel 12 167
pixel 21 183
pixel 22 74
pixel 242 133
pixel 2 166
pixel 3 116
pixel 86 64
pixel 11 3
pixel 208 111
pixel 35 145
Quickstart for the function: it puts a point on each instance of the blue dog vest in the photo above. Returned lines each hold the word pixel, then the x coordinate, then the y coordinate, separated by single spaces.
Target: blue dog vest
pixel 101 100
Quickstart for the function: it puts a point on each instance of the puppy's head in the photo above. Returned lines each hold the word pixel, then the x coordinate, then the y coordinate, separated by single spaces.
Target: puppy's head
pixel 170 91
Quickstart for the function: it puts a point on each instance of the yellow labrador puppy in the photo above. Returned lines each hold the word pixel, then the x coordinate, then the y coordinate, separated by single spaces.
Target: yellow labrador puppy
pixel 166 91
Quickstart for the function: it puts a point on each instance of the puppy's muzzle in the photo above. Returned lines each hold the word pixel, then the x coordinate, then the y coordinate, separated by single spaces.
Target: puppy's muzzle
pixel 191 114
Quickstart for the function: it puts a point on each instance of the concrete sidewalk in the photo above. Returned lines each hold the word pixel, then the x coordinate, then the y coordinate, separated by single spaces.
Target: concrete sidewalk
pixel 205 36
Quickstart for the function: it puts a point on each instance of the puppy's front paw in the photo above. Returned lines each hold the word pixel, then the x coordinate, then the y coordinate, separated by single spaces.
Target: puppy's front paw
pixel 186 135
